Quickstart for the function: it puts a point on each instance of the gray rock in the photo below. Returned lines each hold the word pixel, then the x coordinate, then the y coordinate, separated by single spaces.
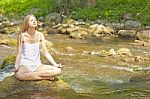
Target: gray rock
pixel 127 16
pixel 6 23
pixel 127 33
pixel 118 26
pixel 143 35
pixel 53 18
pixel 147 28
pixel 5 19
pixel 2 30
pixel 41 19
pixel 130 24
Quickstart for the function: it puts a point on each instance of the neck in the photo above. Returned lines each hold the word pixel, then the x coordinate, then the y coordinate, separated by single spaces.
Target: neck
pixel 31 31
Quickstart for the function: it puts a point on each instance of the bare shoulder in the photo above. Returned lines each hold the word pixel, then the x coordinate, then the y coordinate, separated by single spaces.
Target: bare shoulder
pixel 40 34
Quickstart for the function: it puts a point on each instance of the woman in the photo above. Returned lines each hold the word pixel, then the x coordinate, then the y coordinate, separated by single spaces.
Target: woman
pixel 28 65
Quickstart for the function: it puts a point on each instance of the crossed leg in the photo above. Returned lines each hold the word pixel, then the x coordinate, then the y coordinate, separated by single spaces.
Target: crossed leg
pixel 42 72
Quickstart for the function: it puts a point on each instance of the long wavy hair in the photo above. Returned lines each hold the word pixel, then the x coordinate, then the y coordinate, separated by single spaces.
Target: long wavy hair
pixel 25 25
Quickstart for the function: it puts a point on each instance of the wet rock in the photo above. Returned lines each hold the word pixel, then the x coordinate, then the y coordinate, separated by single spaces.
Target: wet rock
pixel 82 30
pixel 69 49
pixel 124 51
pixel 94 53
pixel 10 59
pixel 140 43
pixel 78 34
pixel 53 31
pixel 138 58
pixel 104 53
pixel 85 53
pixel 112 52
pixel 143 35
pixel 100 30
pixel 127 33
pixel 10 86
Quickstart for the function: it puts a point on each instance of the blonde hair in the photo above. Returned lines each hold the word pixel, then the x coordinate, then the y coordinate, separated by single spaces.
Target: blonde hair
pixel 25 25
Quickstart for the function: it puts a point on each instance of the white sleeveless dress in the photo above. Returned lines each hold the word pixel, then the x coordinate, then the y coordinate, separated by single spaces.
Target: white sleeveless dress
pixel 31 55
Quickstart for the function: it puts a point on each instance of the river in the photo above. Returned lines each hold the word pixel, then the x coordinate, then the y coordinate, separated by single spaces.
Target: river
pixel 94 76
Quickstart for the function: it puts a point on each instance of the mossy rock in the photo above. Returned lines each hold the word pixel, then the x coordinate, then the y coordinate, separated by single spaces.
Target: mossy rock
pixel 10 86
pixel 9 42
pixel 10 59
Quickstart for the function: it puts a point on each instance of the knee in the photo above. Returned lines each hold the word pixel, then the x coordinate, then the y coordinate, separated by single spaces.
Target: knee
pixel 18 76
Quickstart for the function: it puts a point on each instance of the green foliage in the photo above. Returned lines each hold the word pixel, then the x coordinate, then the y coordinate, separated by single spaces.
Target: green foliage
pixel 112 10
pixel 16 8
pixel 86 13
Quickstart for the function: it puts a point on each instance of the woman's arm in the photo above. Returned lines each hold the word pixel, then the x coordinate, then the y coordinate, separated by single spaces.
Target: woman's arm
pixel 18 56
pixel 46 53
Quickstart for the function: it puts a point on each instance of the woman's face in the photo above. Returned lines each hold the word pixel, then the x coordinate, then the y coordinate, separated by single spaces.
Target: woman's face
pixel 32 22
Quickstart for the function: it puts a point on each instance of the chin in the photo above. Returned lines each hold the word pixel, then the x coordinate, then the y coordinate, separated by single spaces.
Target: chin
pixel 33 26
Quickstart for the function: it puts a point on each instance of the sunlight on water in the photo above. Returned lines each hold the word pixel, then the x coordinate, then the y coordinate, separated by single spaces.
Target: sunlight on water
pixel 94 77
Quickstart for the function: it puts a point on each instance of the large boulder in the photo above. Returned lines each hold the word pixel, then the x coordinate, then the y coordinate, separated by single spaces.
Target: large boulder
pixel 53 18
pixel 100 30
pixel 127 33
pixel 130 24
pixel 12 87
pixel 144 35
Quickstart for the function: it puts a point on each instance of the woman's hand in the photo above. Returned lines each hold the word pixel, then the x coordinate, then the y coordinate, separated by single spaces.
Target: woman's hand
pixel 59 65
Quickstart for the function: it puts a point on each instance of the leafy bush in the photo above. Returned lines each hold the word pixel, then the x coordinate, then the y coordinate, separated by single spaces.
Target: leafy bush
pixel 16 8
pixel 112 10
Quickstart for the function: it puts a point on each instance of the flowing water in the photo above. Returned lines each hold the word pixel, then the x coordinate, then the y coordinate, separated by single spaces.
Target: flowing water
pixel 95 77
